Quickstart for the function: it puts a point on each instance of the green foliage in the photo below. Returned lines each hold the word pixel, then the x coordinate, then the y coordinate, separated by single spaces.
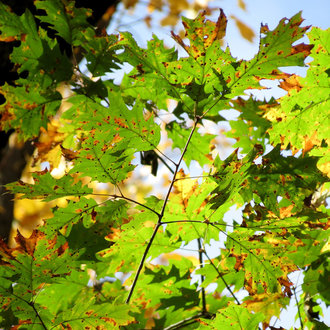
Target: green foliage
pixel 234 317
pixel 64 274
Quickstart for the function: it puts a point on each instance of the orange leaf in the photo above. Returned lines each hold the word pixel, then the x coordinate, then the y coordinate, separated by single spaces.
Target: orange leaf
pixel 290 83
pixel 310 142
pixel 68 154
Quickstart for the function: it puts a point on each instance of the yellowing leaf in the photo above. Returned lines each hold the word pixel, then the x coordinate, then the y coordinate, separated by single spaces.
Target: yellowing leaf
pixel 292 82
pixel 246 32
pixel 268 304
pixel 154 4
pixel 242 5
pixel 169 20
pixel 129 3
pixel 184 185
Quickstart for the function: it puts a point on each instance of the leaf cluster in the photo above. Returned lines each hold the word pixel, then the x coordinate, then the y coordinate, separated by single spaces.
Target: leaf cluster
pixel 66 273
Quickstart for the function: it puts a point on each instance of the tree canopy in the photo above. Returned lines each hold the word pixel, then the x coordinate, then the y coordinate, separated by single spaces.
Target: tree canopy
pixel 109 258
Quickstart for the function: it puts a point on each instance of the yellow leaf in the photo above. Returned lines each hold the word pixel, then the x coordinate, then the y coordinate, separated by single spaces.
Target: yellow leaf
pixel 242 5
pixel 310 142
pixel 154 4
pixel 291 83
pixel 184 186
pixel 246 32
pixel 325 168
pixel 129 3
pixel 170 20
pixel 177 6
pixel 268 304
pixel 48 146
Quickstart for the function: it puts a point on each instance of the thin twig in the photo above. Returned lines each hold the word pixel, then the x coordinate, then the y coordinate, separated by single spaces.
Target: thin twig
pixel 38 316
pixel 193 177
pixel 222 278
pixel 135 202
pixel 200 255
pixel 183 322
pixel 177 168
pixel 207 222
pixel 161 153
pixel 246 249
pixel 142 263
pixel 160 216
pixel 186 221
pixel 164 162
pixel 299 315
pixel 114 196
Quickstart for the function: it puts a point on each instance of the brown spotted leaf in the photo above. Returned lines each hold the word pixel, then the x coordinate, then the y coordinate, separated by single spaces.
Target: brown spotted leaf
pixel 275 50
pixel 111 136
pixel 27 109
pixel 48 188
pixel 302 121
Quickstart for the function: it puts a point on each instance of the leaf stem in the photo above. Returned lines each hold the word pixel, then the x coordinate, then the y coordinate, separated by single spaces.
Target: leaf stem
pixel 162 154
pixel 186 221
pixel 164 162
pixel 246 249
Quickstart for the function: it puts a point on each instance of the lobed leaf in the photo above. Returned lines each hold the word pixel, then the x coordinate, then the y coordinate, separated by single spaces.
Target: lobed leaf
pixel 29 116
pixel 67 20
pixel 48 188
pixel 233 316
pixel 302 120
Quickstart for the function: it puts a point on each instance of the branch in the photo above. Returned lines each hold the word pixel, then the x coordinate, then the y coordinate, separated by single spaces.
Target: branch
pixel 142 263
pixel 222 278
pixel 134 201
pixel 38 316
pixel 164 162
pixel 200 254
pixel 187 221
pixel 206 222
pixel 161 215
pixel 193 177
pixel 125 198
pixel 184 322
pixel 177 168
pixel 297 302
pixel 246 249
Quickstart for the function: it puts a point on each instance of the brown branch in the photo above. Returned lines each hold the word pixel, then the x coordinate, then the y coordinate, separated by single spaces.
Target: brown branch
pixel 222 278
pixel 161 215
pixel 38 315
pixel 246 249
pixel 132 201
pixel 177 166
pixel 200 255
pixel 184 322
pixel 299 314
pixel 142 263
